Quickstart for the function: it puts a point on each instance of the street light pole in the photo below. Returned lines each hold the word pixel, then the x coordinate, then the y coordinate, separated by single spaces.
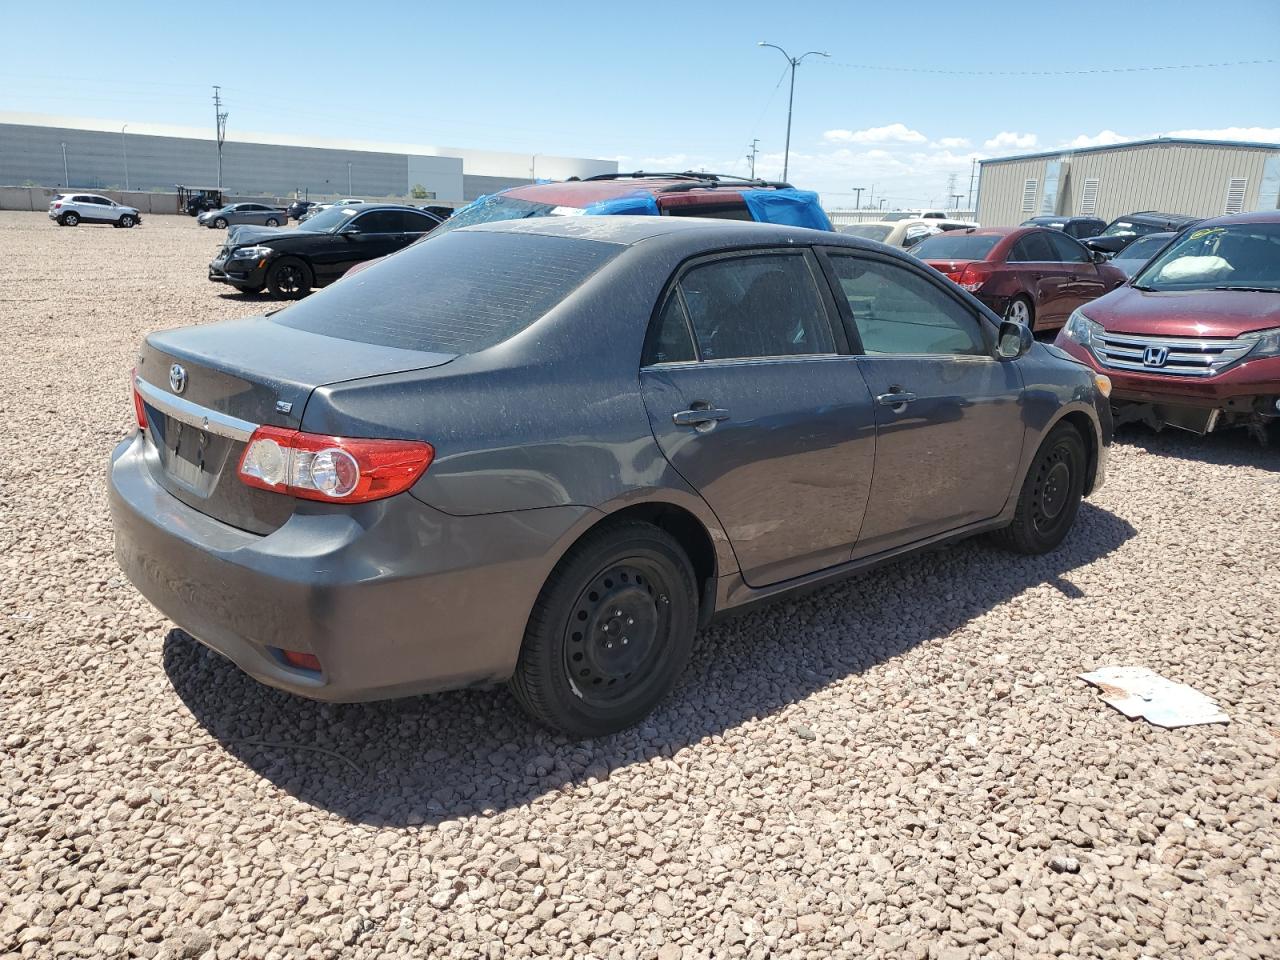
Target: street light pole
pixel 348 178
pixel 858 191
pixel 124 153
pixel 883 201
pixel 795 62
pixel 66 177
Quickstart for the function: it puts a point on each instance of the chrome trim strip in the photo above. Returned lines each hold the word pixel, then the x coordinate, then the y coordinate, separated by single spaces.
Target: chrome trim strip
pixel 193 414
pixel 1182 343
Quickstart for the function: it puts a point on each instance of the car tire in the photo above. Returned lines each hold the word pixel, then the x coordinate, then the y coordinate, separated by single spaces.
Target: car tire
pixel 220 223
pixel 70 219
pixel 289 279
pixel 127 221
pixel 610 633
pixel 1051 494
pixel 1021 309
pixel 272 222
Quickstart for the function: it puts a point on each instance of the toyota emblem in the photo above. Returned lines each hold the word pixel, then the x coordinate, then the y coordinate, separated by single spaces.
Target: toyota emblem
pixel 177 378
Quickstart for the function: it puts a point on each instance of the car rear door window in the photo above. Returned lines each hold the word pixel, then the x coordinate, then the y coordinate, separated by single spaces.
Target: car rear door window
pixel 457 292
pixel 896 311
pixel 416 222
pixel 670 340
pixel 764 305
pixel 1068 250
pixel 1033 248
pixel 377 221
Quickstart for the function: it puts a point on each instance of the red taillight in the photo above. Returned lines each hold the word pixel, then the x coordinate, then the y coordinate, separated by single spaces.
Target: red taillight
pixel 307 661
pixel 139 408
pixel 58 205
pixel 973 276
pixel 332 469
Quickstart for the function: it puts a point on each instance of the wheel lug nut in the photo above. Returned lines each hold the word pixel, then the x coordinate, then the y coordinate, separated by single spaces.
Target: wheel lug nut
pixel 630 622
pixel 624 641
pixel 617 613
pixel 608 645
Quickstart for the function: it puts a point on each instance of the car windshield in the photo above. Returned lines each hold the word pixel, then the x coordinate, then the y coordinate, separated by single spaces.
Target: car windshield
pixel 868 231
pixel 492 208
pixel 328 221
pixel 1127 228
pixel 952 246
pixel 1236 256
pixel 457 293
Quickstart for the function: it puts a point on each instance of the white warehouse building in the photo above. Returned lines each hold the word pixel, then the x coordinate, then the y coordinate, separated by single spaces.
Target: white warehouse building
pixel 53 151
pixel 1199 178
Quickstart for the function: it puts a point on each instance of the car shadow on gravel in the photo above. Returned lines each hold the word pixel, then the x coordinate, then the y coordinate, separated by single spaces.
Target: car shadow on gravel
pixel 1229 448
pixel 427 759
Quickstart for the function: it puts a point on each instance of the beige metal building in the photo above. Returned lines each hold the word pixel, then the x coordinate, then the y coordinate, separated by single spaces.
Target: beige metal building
pixel 1203 178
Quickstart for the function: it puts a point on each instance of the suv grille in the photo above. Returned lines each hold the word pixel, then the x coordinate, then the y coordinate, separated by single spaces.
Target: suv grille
pixel 1178 356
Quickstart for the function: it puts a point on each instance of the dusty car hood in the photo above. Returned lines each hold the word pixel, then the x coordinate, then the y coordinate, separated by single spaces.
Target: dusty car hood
pixel 1185 313
pixel 248 233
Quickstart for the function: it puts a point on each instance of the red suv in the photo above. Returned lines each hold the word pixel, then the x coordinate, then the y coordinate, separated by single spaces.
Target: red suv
pixel 1193 341
pixel 1029 274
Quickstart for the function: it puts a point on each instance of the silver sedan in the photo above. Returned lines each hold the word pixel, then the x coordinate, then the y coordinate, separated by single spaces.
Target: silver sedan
pixel 233 213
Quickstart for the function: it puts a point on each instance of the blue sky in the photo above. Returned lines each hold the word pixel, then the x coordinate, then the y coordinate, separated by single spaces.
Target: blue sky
pixel 671 85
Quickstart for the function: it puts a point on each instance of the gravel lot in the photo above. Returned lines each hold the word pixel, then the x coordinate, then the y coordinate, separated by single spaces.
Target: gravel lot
pixel 902 765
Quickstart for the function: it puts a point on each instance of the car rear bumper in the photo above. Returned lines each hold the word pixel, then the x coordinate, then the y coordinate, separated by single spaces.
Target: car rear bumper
pixel 394 598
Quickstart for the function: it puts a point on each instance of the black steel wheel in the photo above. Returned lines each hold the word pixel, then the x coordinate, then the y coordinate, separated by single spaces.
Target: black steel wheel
pixel 610 632
pixel 289 279
pixel 1051 493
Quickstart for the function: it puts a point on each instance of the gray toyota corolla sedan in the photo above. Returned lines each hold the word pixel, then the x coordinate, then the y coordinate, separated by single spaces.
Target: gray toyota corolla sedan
pixel 546 451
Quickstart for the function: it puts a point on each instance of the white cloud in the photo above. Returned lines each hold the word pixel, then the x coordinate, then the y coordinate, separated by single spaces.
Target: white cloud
pixel 893 133
pixel 1260 134
pixel 952 143
pixel 1101 139
pixel 1008 140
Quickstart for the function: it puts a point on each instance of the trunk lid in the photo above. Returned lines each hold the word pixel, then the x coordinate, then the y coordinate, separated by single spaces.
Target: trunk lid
pixel 230 378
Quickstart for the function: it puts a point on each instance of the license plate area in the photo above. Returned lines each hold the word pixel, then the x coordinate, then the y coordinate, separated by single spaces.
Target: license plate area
pixel 191 456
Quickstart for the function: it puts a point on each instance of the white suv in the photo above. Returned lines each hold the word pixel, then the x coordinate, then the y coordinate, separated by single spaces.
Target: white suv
pixel 73 209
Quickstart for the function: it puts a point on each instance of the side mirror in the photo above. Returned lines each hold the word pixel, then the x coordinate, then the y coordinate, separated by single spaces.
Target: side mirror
pixel 1015 340
pixel 1098 256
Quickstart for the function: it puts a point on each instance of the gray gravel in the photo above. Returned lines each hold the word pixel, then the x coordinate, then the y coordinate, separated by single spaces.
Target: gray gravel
pixel 899 766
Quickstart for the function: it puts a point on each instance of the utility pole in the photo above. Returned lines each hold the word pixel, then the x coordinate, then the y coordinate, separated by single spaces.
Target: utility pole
pixel 66 177
pixel 858 191
pixel 124 153
pixel 220 122
pixel 973 171
pixel 752 157
pixel 795 62
pixel 348 178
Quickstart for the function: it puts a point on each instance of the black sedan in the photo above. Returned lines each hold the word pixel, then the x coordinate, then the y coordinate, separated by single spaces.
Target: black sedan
pixel 549 450
pixel 317 251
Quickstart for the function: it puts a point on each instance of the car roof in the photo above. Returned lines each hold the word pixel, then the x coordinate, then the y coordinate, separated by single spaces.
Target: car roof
pixel 1259 216
pixel 627 230
pixel 583 193
pixel 1155 216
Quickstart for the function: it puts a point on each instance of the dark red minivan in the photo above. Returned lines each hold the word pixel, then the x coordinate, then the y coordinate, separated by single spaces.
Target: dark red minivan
pixel 1029 274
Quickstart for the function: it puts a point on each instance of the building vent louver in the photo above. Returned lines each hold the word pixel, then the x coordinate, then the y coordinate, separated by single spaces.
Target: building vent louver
pixel 1089 198
pixel 1029 196
pixel 1235 194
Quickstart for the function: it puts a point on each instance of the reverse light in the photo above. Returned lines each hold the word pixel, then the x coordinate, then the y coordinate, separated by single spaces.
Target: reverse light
pixel 333 469
pixel 139 408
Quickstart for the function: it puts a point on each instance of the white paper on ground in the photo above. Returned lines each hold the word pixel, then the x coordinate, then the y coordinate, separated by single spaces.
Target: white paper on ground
pixel 1137 692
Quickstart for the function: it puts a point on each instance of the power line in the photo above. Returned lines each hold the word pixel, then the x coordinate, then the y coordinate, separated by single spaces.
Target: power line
pixel 1053 73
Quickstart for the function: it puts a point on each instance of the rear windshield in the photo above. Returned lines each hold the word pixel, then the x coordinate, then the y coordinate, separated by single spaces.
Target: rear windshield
pixel 868 231
pixel 496 207
pixel 455 293
pixel 951 246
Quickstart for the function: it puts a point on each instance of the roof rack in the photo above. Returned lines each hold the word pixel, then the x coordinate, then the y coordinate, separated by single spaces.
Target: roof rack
pixel 690 180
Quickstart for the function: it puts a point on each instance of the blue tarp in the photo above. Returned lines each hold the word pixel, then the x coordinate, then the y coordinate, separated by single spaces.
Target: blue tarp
pixel 797 208
pixel 639 204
